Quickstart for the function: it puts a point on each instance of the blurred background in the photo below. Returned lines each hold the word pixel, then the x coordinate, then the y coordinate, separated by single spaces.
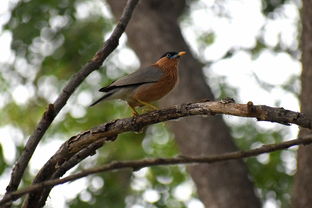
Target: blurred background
pixel 247 50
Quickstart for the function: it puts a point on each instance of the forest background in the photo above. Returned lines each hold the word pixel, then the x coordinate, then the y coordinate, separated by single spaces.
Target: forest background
pixel 247 50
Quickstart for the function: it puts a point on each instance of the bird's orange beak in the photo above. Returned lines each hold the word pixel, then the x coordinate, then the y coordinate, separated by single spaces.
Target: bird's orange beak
pixel 181 53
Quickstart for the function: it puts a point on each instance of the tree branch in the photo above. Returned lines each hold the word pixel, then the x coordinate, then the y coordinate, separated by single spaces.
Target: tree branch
pixel 138 164
pixel 78 147
pixel 62 169
pixel 74 82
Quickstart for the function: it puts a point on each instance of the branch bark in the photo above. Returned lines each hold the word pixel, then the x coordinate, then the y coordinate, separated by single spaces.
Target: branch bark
pixel 84 144
pixel 74 82
pixel 138 164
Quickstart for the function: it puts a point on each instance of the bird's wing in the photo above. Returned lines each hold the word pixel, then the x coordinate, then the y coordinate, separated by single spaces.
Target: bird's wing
pixel 146 75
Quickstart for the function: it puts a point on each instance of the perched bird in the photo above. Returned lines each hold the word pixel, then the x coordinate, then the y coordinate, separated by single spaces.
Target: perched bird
pixel 145 85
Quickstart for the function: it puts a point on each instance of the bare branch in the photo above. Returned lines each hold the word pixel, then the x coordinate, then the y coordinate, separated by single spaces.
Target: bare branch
pixel 70 153
pixel 61 170
pixel 68 90
pixel 110 130
pixel 138 164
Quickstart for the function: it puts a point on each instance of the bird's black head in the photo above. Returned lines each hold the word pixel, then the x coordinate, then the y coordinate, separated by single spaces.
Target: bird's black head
pixel 169 54
pixel 172 55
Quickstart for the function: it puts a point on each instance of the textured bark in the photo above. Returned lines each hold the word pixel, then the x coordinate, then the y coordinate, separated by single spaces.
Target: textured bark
pixel 302 192
pixel 154 30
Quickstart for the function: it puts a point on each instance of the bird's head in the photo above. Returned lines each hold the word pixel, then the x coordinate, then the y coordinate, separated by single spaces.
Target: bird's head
pixel 170 60
pixel 173 55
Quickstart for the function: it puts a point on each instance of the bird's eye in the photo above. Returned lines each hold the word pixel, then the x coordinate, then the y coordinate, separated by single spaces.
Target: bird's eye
pixel 168 55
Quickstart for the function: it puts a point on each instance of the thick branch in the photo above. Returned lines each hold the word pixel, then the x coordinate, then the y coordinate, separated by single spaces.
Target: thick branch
pixel 138 164
pixel 59 163
pixel 73 83
pixel 110 130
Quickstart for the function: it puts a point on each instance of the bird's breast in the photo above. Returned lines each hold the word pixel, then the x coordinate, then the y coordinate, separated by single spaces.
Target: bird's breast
pixel 154 91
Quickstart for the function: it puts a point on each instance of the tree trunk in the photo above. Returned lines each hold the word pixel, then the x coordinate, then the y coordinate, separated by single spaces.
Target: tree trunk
pixel 302 195
pixel 153 30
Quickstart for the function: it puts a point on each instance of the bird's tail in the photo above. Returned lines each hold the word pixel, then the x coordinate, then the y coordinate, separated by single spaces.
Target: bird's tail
pixel 102 98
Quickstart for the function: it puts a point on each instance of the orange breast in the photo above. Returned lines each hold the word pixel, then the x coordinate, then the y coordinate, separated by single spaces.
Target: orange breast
pixel 154 91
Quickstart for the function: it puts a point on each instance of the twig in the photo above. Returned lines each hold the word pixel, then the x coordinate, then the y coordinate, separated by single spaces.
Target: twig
pixel 110 130
pixel 138 164
pixel 68 90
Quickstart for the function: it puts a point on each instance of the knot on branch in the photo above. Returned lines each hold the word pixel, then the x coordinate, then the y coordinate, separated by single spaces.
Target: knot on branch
pixel 250 107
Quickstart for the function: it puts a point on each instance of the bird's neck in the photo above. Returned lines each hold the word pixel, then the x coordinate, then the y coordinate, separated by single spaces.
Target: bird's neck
pixel 167 65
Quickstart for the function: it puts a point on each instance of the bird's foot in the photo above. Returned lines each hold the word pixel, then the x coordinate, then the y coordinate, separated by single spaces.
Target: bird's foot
pixel 133 111
pixel 152 107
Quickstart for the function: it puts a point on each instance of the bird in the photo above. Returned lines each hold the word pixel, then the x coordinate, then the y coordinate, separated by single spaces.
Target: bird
pixel 145 85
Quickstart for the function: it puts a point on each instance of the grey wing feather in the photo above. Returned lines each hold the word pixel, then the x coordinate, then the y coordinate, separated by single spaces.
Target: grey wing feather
pixel 142 76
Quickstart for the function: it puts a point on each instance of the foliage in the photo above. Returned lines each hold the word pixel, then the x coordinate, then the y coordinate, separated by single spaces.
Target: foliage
pixel 269 6
pixel 268 171
pixel 3 164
